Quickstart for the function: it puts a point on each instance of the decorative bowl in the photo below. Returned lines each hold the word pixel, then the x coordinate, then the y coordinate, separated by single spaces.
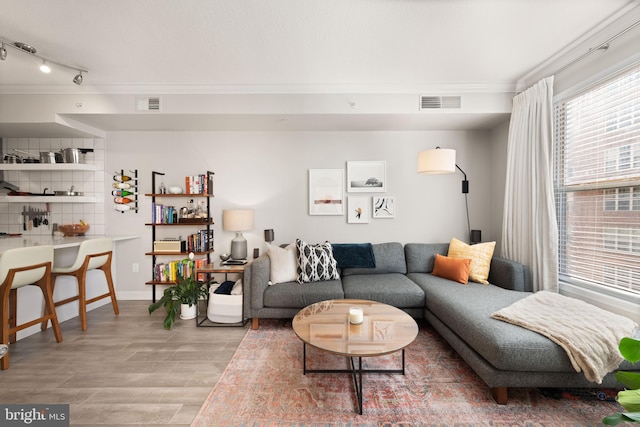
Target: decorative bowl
pixel 73 229
pixel 174 189
pixel 225 257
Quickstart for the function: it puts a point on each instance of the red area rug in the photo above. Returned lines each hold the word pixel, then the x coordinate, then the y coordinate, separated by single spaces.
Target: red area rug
pixel 263 385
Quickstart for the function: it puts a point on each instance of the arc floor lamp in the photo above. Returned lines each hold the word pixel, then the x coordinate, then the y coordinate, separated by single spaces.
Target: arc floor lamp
pixel 441 161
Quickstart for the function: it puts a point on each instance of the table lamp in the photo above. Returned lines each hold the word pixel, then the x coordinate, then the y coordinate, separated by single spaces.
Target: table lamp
pixel 238 220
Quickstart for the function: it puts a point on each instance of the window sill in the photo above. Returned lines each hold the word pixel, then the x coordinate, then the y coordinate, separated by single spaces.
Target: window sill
pixel 622 305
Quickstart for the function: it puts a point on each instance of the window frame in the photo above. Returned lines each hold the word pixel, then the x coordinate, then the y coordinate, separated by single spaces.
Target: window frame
pixel 618 159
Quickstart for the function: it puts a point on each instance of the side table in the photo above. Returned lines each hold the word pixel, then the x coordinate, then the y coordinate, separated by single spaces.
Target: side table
pixel 217 268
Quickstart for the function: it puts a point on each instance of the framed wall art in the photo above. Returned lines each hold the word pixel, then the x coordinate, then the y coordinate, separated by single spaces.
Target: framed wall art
pixel 326 192
pixel 384 207
pixel 366 176
pixel 358 209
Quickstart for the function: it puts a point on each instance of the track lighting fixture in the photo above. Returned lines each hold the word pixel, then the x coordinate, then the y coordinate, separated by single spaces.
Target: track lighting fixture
pixel 45 66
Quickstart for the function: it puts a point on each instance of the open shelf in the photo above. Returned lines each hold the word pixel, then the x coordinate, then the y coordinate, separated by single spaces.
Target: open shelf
pixel 46 167
pixel 47 199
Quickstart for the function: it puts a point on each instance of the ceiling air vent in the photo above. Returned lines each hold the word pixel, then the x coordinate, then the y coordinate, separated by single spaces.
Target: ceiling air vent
pixel 151 103
pixel 439 102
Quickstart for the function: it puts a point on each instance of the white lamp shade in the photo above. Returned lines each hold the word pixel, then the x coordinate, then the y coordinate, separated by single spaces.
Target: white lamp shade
pixel 439 160
pixel 237 220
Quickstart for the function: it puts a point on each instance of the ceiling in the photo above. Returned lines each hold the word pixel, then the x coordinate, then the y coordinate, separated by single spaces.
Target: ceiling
pixel 291 47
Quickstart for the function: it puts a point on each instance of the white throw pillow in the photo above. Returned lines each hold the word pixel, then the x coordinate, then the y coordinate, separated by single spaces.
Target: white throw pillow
pixel 284 263
pixel 237 288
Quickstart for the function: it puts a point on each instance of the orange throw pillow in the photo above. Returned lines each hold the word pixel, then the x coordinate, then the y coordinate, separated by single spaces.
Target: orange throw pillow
pixel 456 269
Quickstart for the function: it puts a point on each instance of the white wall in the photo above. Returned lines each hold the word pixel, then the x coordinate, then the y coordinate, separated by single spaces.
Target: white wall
pixel 267 171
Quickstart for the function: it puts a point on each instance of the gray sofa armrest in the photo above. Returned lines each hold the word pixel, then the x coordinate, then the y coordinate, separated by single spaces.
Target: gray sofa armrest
pixel 510 275
pixel 256 278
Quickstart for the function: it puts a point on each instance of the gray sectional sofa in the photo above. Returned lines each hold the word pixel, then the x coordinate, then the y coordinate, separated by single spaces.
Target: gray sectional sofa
pixel 502 354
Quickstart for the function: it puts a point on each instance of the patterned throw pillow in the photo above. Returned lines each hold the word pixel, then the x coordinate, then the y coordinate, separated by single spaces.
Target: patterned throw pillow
pixel 480 255
pixel 316 262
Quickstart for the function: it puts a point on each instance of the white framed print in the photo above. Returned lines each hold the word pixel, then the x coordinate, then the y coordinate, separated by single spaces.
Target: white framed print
pixel 326 192
pixel 383 206
pixel 367 176
pixel 358 209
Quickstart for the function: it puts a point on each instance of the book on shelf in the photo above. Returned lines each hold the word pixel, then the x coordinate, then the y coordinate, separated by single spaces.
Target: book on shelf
pixel 162 214
pixel 198 184
pixel 170 271
pixel 202 241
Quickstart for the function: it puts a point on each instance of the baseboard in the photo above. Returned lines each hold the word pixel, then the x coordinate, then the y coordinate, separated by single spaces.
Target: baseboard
pixel 137 295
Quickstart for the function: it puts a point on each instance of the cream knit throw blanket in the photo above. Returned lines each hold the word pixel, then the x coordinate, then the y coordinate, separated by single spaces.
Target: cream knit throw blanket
pixel 588 334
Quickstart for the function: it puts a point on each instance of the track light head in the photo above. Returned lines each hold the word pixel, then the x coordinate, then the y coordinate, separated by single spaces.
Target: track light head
pixel 3 52
pixel 45 68
pixel 78 78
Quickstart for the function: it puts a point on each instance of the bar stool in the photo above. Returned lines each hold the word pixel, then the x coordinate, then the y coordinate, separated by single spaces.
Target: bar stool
pixel 94 254
pixel 22 267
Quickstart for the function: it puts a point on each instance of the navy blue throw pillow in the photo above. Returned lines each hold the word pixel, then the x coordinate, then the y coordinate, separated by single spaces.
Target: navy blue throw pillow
pixel 354 255
pixel 225 288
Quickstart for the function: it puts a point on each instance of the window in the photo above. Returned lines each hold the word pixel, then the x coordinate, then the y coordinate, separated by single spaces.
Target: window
pixel 597 184
pixel 622 199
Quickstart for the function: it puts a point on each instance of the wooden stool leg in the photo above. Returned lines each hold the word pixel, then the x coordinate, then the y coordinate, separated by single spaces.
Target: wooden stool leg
pixel 13 313
pixel 49 307
pixel 4 332
pixel 112 291
pixel 82 301
pixel 43 326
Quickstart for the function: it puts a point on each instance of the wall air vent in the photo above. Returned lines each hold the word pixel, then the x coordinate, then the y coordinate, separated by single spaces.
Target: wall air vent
pixel 151 103
pixel 439 102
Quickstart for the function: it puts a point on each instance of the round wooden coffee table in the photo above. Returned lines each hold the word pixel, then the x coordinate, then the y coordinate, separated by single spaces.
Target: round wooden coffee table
pixel 384 330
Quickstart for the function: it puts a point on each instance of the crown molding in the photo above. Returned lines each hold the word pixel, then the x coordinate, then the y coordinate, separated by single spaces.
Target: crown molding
pixel 614 24
pixel 293 89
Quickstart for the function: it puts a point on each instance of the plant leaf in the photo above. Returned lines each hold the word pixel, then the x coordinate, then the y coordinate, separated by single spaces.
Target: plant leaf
pixel 629 379
pixel 630 349
pixel 632 416
pixel 613 420
pixel 630 400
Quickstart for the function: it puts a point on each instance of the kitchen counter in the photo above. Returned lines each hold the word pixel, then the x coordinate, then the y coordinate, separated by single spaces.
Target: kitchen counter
pixel 57 242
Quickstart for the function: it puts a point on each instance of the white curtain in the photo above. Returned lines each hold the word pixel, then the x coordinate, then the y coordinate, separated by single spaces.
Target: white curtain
pixel 529 228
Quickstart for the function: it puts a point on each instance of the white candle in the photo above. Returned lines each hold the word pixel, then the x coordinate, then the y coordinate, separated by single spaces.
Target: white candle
pixel 356 316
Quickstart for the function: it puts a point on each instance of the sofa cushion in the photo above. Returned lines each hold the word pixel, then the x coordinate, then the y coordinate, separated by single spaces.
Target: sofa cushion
pixel 480 255
pixel 456 269
pixel 284 263
pixel 393 288
pixel 467 311
pixel 300 295
pixel 421 256
pixel 316 262
pixel 389 259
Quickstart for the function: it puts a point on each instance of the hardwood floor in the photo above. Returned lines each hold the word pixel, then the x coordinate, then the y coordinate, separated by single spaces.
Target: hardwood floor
pixel 124 370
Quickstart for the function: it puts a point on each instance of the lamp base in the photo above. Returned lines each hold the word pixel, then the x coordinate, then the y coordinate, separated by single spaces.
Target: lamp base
pixel 239 246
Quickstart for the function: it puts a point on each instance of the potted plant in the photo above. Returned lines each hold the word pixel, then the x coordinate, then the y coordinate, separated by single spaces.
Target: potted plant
pixel 186 292
pixel 628 399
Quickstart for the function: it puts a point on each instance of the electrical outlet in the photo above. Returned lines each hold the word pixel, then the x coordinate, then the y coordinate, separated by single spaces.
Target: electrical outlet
pixel 135 267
